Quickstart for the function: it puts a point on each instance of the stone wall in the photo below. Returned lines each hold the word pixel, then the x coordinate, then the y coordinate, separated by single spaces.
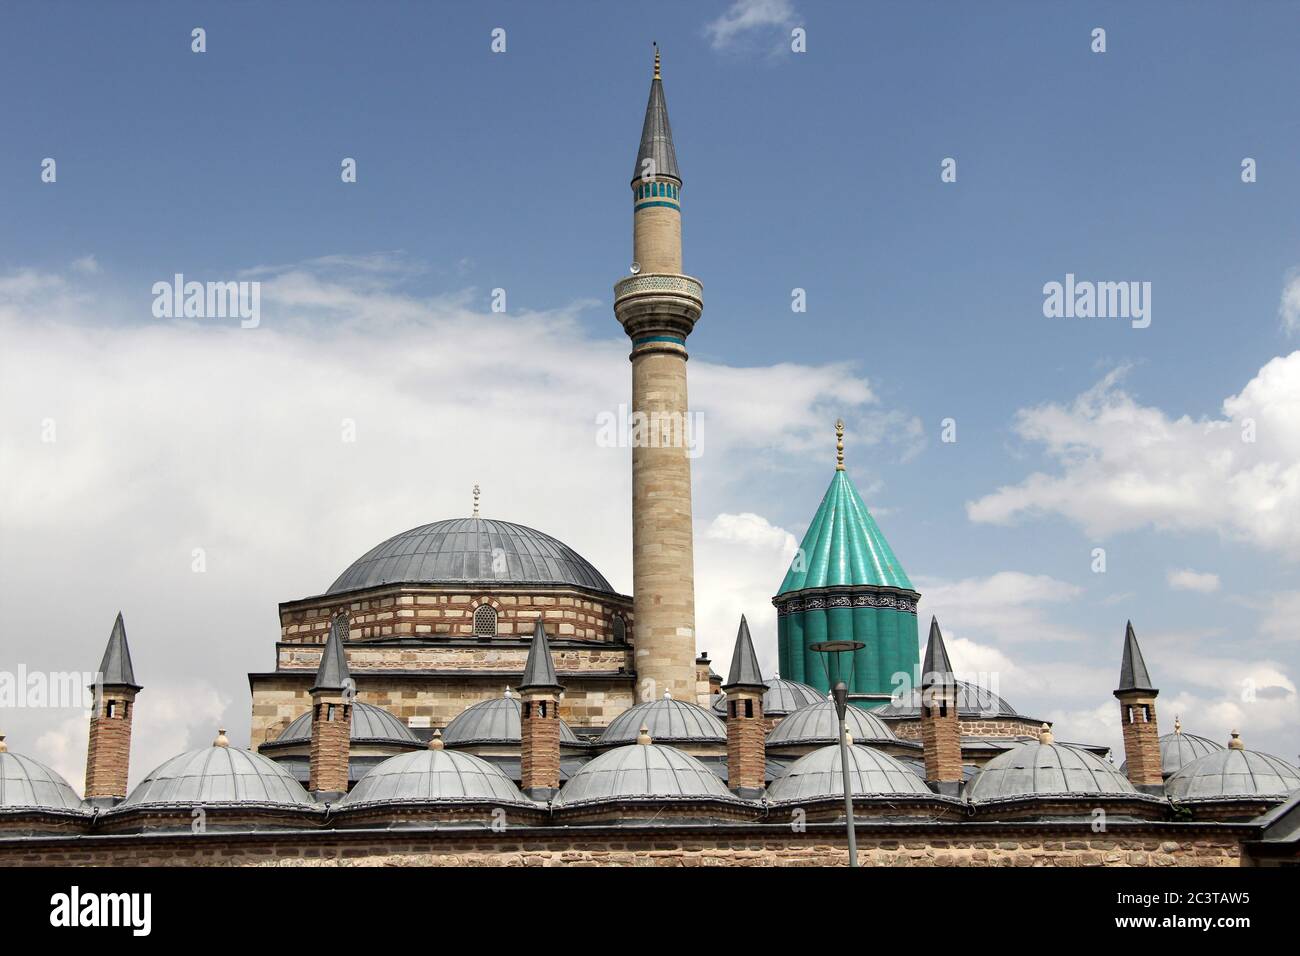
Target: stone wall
pixel 484 656
pixel 430 611
pixel 821 846
pixel 433 701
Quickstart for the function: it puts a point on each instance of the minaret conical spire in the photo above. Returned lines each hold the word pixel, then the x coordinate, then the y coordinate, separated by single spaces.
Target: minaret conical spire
pixel 539 671
pixel 115 669
pixel 744 662
pixel 656 136
pixel 937 669
pixel 1133 669
pixel 333 672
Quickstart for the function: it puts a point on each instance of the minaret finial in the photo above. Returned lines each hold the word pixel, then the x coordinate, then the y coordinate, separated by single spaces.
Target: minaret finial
pixel 657 76
pixel 839 445
pixel 476 501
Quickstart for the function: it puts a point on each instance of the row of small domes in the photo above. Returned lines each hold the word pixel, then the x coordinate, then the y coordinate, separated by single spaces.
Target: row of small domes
pixel 225 775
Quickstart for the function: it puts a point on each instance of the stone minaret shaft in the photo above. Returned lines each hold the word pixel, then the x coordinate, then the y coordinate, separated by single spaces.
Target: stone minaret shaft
pixel 332 698
pixel 658 307
pixel 1137 715
pixel 746 726
pixel 539 714
pixel 108 754
pixel 940 727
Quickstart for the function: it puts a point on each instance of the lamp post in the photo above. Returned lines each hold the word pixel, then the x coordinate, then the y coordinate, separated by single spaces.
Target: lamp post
pixel 840 694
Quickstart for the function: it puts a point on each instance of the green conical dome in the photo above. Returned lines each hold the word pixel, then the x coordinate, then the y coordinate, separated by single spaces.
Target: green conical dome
pixel 845 584
pixel 844 546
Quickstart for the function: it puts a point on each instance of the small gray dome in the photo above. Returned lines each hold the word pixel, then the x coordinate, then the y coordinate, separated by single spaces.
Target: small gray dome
pixel 781 697
pixel 25 784
pixel 1233 774
pixel 471 551
pixel 668 721
pixel 435 776
pixel 973 701
pixel 495 721
pixel 651 771
pixel 871 773
pixel 368 723
pixel 218 775
pixel 1039 770
pixel 1179 749
pixel 819 724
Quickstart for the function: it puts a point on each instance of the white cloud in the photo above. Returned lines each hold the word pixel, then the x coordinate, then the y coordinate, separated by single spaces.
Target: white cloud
pixel 1289 308
pixel 1006 606
pixel 1185 579
pixel 1282 616
pixel 1122 465
pixel 747 19
pixel 176 435
pixel 169 718
pixel 87 265
pixel 739 562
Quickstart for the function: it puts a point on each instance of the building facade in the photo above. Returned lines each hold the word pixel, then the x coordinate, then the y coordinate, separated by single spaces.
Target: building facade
pixel 474 692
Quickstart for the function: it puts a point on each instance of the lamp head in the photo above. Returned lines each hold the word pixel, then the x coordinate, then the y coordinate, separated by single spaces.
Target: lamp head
pixel 840 694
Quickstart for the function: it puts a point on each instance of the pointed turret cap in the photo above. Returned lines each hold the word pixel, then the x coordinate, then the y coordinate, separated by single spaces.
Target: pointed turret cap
pixel 936 668
pixel 656 134
pixel 1133 670
pixel 333 672
pixel 539 672
pixel 744 662
pixel 115 669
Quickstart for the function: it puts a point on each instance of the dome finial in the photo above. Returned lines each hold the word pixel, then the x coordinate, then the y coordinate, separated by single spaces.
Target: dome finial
pixel 435 742
pixel 1178 724
pixel 476 500
pixel 1235 743
pixel 643 737
pixel 1045 735
pixel 839 444
pixel 656 46
pixel 4 747
pixel 222 740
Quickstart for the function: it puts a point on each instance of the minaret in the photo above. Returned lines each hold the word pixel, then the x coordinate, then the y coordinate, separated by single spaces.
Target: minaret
pixel 108 755
pixel 658 307
pixel 746 729
pixel 940 730
pixel 332 696
pixel 1137 717
pixel 539 715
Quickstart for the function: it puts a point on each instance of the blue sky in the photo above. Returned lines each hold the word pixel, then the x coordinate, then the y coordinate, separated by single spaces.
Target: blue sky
pixel 817 170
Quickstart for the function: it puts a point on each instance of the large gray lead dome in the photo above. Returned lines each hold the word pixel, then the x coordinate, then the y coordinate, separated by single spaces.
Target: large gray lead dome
pixel 471 551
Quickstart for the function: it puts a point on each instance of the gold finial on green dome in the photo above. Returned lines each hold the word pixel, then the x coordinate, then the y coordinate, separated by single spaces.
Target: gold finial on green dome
pixel 657 76
pixel 839 445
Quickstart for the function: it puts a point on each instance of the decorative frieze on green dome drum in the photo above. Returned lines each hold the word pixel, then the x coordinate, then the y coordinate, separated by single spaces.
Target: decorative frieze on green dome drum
pixel 845 583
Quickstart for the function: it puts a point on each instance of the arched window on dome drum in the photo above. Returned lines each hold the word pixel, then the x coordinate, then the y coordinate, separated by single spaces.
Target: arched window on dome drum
pixel 619 629
pixel 485 621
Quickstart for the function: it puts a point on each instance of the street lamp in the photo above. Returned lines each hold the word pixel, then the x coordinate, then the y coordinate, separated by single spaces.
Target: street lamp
pixel 840 694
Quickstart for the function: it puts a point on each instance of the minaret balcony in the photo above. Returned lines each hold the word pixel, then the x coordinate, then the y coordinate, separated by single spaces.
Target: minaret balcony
pixel 659 284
